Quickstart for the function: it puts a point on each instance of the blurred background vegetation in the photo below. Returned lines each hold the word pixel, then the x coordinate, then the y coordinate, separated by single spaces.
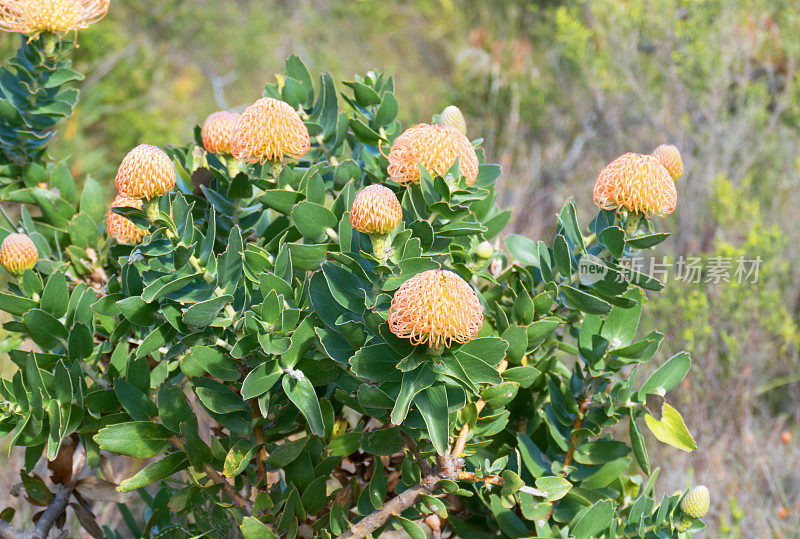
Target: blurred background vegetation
pixel 557 89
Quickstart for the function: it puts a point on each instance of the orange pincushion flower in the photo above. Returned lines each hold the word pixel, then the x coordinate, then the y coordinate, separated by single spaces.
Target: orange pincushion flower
pixel 670 157
pixel 435 147
pixel 437 307
pixel 121 228
pixel 376 210
pixel 217 132
pixel 452 115
pixel 18 253
pixel 267 130
pixel 637 183
pixel 56 16
pixel 146 172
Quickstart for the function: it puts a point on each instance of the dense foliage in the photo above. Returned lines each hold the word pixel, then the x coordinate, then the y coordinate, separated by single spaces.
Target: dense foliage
pixel 243 345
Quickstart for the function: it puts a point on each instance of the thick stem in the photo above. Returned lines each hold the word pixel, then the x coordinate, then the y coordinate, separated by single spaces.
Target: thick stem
pixel 380 246
pixel 49 42
pixel 233 166
pixel 151 209
pixel 53 511
pixel 632 224
pixel 258 432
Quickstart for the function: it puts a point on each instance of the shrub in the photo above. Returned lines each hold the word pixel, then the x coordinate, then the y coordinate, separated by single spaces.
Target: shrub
pixel 268 360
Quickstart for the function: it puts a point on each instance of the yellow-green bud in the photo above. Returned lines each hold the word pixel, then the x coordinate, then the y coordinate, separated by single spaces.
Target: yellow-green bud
pixel 484 250
pixel 696 502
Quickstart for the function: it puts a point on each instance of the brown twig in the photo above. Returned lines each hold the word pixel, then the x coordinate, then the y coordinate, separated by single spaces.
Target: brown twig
pixel 461 442
pixel 53 511
pixel 496 480
pixel 395 506
pixel 237 498
pixel 449 467
pixel 575 427
pixel 258 431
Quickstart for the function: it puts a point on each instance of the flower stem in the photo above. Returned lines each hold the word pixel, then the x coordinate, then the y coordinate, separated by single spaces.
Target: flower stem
pixel 151 209
pixel 632 224
pixel 380 246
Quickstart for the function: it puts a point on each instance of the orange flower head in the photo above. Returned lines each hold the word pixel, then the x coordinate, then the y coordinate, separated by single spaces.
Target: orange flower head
pixel 267 130
pixel 376 210
pixel 217 132
pixel 437 307
pixel 146 172
pixel 670 157
pixel 435 147
pixel 56 16
pixel 18 253
pixel 636 183
pixel 452 116
pixel 121 228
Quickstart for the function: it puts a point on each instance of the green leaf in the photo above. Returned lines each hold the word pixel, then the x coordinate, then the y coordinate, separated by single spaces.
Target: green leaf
pixel 645 242
pixel 141 439
pixel 280 200
pixel 432 404
pixel 302 394
pixel 613 237
pixel 55 296
pixel 218 397
pixel 413 382
pixel 60 77
pixel 252 528
pixel 312 220
pixel 382 442
pixel 556 487
pixel 620 326
pixel 491 350
pixel 204 313
pixel 173 408
pixel 81 342
pixel 16 305
pixel 314 496
pixel 585 302
pixel 137 404
pixel 387 111
pixel 376 362
pixel 668 375
pixel 534 459
pixel 138 311
pixel 600 451
pixel 286 453
pixel 261 379
pixel 365 96
pixel 671 429
pixel 509 522
pixel 83 230
pixel 609 472
pixel 523 249
pixel 239 457
pixel 215 362
pixel 638 445
pixel 411 528
pixel 92 200
pixel 591 521
pixel 44 329
pixel 156 471
pixel 500 395
pixel 166 284
pixel 231 263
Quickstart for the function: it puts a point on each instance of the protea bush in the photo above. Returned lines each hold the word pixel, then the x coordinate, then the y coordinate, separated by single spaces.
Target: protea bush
pixel 305 323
